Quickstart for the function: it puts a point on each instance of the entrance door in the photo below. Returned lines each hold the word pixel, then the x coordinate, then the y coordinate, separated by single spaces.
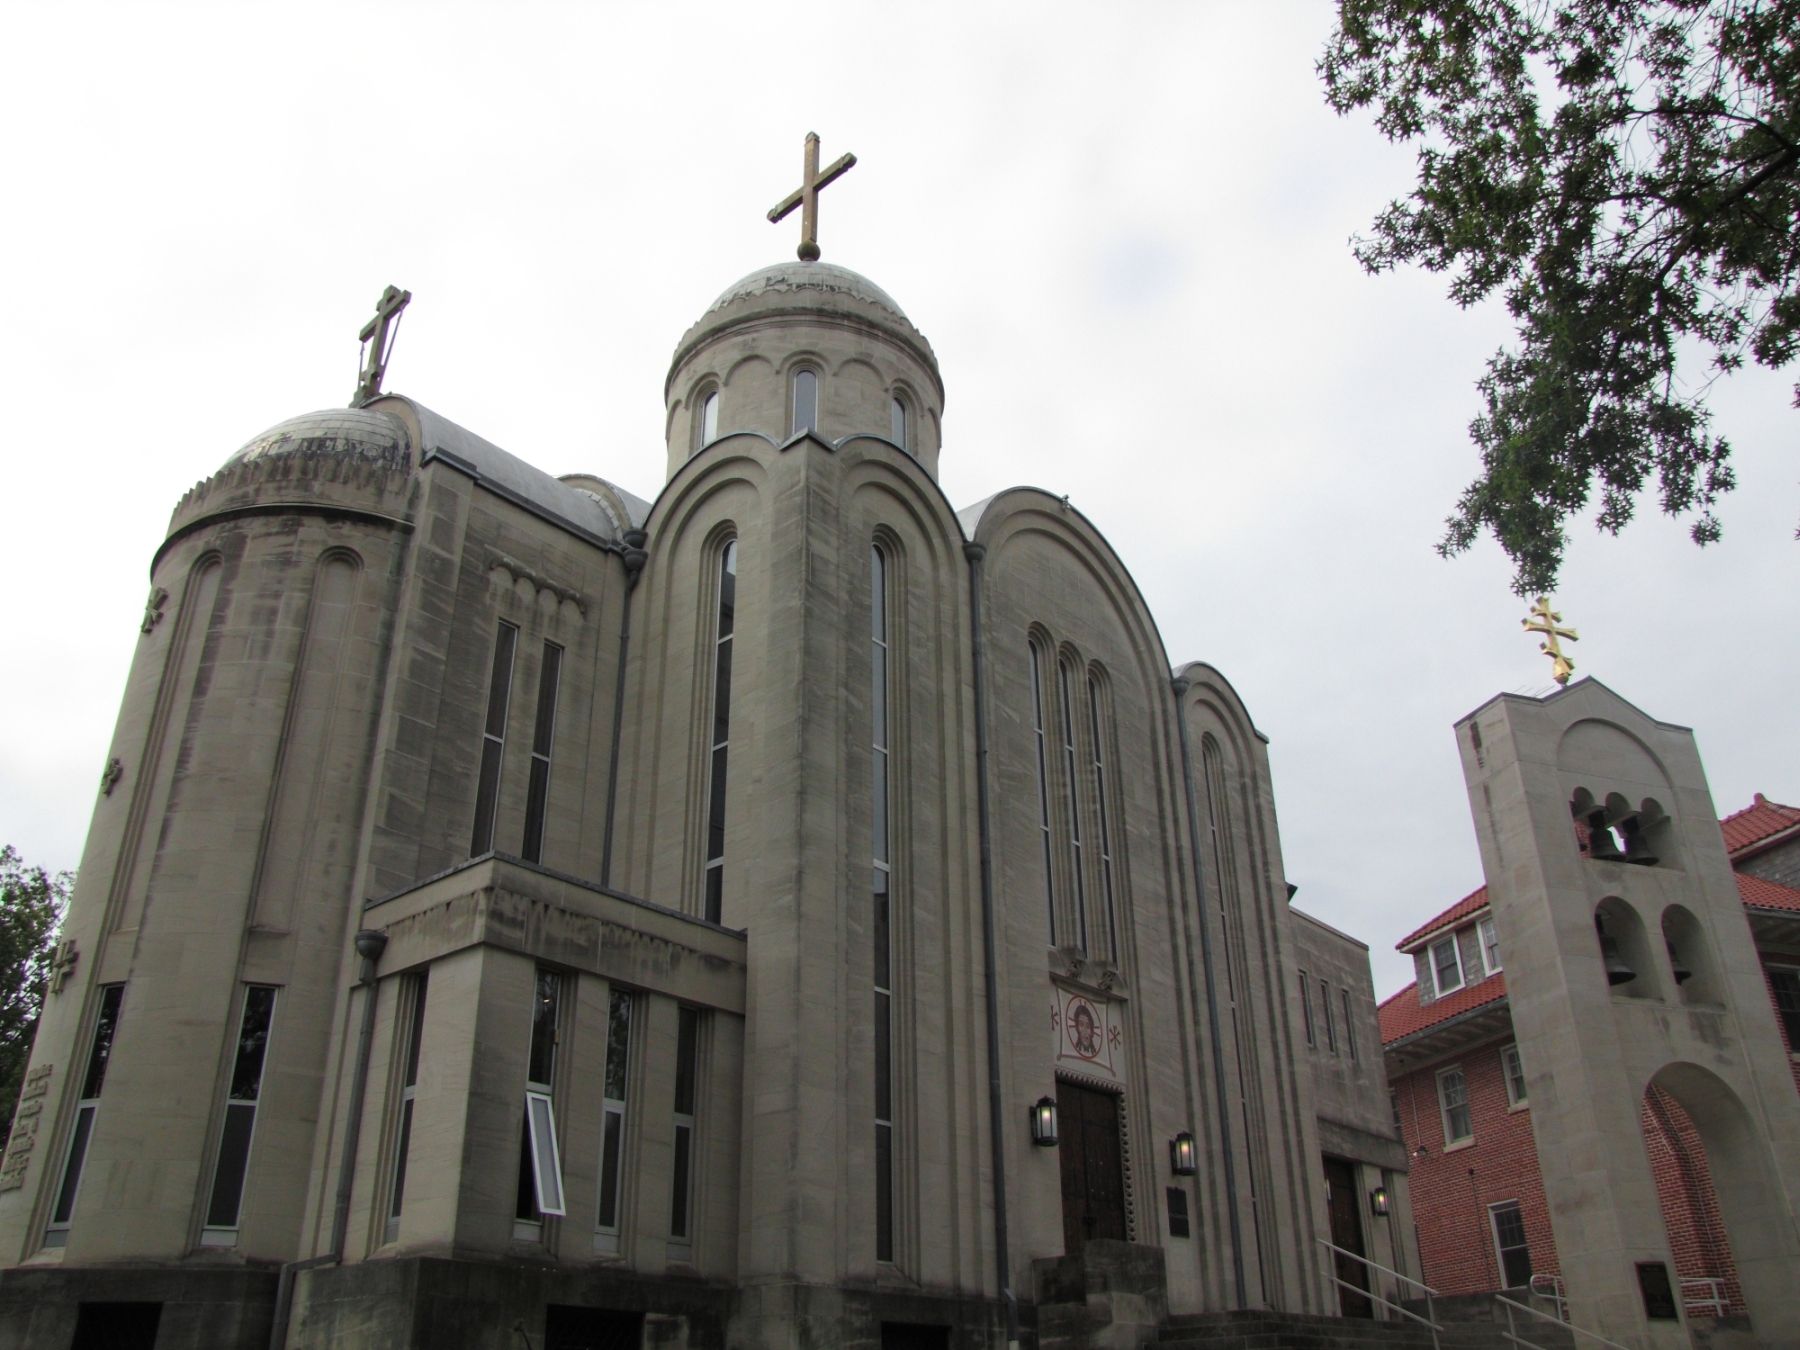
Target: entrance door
pixel 1093 1169
pixel 1346 1232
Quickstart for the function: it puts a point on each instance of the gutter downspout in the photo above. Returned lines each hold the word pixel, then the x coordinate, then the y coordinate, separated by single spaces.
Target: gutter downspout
pixel 1180 685
pixel 369 945
pixel 996 1101
pixel 635 557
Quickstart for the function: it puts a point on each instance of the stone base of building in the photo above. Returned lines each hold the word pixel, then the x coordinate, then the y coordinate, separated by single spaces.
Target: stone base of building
pixel 169 1308
pixel 443 1303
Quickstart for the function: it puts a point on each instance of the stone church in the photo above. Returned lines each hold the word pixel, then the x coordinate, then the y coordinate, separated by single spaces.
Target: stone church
pixel 791 911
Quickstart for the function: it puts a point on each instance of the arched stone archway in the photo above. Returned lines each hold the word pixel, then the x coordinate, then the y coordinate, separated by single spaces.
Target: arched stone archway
pixel 1757 1238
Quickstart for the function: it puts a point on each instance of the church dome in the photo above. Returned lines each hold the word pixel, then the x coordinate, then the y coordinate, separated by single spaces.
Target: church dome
pixel 796 278
pixel 356 433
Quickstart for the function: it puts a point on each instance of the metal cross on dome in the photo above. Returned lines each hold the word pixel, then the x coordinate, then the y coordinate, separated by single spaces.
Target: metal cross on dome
pixel 377 337
pixel 807 196
pixel 1548 622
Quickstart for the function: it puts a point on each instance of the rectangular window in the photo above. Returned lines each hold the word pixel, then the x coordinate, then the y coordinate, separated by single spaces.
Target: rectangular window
pixel 1349 1024
pixel 1453 1098
pixel 240 1117
pixel 540 1165
pixel 806 401
pixel 1490 945
pixel 681 1197
pixel 1106 866
pixel 1043 768
pixel 409 1083
pixel 1178 1211
pixel 106 1026
pixel 1510 1245
pixel 493 741
pixel 1515 1075
pixel 537 797
pixel 1069 767
pixel 1330 1022
pixel 1399 1125
pixel 1306 1007
pixel 1446 966
pixel 612 1125
pixel 883 979
pixel 1784 984
pixel 713 901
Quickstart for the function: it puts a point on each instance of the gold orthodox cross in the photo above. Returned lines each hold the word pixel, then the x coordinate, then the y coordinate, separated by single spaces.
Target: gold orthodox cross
pixel 806 196
pixel 381 329
pixel 1548 622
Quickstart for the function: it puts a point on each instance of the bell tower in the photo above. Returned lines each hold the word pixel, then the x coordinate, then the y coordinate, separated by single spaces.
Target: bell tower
pixel 1624 933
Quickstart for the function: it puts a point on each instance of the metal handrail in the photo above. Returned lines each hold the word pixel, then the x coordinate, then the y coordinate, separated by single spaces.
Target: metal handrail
pixel 1512 1327
pixel 1714 1299
pixel 1429 1320
pixel 1555 1294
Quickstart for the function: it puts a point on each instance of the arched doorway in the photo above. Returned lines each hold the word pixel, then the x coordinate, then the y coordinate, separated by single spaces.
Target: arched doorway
pixel 1722 1202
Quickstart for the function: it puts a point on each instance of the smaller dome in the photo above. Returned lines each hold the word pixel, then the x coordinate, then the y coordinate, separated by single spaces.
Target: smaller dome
pixel 805 276
pixel 361 433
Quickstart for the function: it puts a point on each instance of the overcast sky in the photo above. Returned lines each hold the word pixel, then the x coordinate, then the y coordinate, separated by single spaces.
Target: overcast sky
pixel 1123 228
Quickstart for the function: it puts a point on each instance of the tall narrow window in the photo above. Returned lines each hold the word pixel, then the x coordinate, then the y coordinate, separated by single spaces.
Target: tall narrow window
pixel 1453 1098
pixel 1490 945
pixel 1306 1007
pixel 1043 768
pixel 897 408
pixel 493 741
pixel 1510 1244
pixel 883 872
pixel 99 1051
pixel 1514 1068
pixel 1349 1024
pixel 1784 984
pixel 612 1123
pixel 1446 966
pixel 709 419
pixel 240 1117
pixel 540 1165
pixel 1070 761
pixel 538 797
pixel 721 735
pixel 409 1084
pixel 1330 1024
pixel 806 401
pixel 681 1196
pixel 1106 864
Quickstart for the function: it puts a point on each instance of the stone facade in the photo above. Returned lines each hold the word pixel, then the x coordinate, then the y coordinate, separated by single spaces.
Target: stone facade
pixel 520 903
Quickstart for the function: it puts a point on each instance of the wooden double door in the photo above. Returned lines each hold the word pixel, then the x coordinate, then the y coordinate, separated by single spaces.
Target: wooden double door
pixel 1093 1165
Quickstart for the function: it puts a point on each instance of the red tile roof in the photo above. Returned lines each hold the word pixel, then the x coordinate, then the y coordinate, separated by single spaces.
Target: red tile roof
pixel 1401 1015
pixel 1761 894
pixel 1462 909
pixel 1757 822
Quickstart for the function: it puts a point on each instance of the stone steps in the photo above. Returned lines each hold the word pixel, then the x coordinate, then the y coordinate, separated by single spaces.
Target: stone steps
pixel 1254 1330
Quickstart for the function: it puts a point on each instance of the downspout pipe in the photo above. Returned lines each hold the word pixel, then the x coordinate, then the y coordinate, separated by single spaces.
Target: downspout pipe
pixel 635 558
pixel 1180 685
pixel 370 944
pixel 990 974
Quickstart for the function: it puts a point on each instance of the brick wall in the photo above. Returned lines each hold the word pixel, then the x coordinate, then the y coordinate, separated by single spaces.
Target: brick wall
pixel 1689 1205
pixel 1451 1190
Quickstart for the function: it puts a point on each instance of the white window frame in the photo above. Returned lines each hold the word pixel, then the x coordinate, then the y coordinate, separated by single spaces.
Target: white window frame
pixel 546 1161
pixel 1445 1107
pixel 1489 942
pixel 1462 977
pixel 1510 1061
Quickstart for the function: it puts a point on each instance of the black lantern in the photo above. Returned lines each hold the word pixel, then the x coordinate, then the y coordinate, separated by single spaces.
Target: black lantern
pixel 1043 1122
pixel 1182 1161
pixel 1378 1201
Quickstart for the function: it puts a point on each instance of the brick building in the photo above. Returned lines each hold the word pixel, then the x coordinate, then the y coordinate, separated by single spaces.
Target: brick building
pixel 1462 1104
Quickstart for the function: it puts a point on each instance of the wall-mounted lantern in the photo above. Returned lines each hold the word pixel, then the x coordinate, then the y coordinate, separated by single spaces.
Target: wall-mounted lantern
pixel 1182 1159
pixel 1378 1201
pixel 1043 1122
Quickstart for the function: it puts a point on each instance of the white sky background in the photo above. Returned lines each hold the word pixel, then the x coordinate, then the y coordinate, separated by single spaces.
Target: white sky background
pixel 1122 227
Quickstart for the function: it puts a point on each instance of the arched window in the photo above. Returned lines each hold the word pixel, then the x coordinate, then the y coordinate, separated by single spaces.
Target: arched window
pixel 806 401
pixel 1105 841
pixel 883 873
pixel 1071 769
pixel 721 735
pixel 897 408
pixel 709 419
pixel 1043 774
